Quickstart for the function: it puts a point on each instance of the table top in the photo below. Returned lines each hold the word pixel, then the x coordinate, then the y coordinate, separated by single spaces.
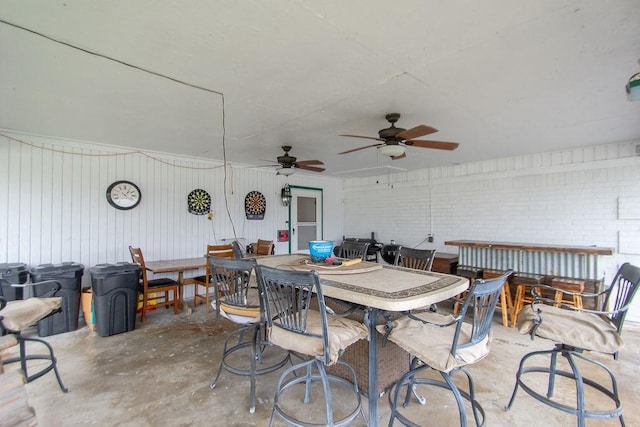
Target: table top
pixel 172 265
pixel 388 288
pixel 533 247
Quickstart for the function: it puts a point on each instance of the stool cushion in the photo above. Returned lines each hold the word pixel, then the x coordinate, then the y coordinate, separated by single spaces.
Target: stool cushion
pixel 588 331
pixel 241 314
pixel 432 344
pixel 19 314
pixel 342 333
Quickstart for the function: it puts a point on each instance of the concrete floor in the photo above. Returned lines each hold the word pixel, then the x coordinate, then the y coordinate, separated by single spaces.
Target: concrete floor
pixel 159 374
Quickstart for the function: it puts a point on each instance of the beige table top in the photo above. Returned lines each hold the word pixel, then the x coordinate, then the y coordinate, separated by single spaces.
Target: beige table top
pixel 388 288
pixel 172 265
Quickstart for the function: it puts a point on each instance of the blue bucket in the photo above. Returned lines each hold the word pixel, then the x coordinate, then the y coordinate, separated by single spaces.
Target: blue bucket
pixel 320 250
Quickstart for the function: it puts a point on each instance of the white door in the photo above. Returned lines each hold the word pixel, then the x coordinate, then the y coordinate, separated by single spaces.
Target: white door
pixel 306 218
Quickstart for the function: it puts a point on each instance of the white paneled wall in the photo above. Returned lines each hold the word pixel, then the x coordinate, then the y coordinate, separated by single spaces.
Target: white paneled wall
pixel 567 198
pixel 53 206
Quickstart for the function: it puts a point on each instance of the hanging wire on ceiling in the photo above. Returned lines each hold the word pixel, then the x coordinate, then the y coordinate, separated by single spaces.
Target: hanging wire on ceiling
pixel 157 74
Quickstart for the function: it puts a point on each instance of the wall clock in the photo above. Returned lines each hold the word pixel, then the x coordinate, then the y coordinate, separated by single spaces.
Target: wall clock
pixel 123 195
pixel 255 205
pixel 199 202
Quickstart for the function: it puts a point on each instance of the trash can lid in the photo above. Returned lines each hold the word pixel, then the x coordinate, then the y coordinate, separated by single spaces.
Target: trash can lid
pixel 100 270
pixel 12 268
pixel 64 267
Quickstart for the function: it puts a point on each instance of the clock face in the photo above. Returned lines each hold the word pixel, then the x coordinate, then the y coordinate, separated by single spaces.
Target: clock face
pixel 123 195
pixel 199 202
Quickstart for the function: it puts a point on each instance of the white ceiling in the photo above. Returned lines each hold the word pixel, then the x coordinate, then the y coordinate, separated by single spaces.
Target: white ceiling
pixel 501 77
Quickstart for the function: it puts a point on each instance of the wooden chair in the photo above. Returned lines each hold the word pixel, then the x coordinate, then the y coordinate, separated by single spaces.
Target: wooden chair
pixel 220 251
pixel 161 287
pixel 263 247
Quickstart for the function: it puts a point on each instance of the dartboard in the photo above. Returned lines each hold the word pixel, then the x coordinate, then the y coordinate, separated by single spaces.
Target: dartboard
pixel 199 202
pixel 255 205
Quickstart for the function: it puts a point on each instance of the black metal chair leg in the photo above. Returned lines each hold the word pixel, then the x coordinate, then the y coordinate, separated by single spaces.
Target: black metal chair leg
pixel 24 357
pixel 552 374
pixel 458 397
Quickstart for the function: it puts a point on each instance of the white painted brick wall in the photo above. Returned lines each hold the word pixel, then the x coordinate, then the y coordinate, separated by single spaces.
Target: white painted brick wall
pixel 569 198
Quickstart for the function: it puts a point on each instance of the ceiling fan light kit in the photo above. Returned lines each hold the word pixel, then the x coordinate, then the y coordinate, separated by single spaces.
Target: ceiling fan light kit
pixel 395 140
pixel 288 164
pixel 391 150
pixel 286 171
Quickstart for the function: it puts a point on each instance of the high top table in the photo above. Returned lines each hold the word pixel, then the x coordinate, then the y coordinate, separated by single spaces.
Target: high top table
pixel 385 288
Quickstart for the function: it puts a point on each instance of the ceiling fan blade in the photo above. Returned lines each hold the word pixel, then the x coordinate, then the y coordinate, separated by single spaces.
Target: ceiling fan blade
pixel 308 162
pixel 438 145
pixel 416 132
pixel 361 148
pixel 309 168
pixel 401 156
pixel 365 137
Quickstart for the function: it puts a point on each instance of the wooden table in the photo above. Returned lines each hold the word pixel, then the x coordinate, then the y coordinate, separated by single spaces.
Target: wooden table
pixel 388 288
pixel 178 266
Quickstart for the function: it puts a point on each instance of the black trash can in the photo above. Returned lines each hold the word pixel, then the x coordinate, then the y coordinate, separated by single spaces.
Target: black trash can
pixel 16 273
pixel 115 297
pixel 69 275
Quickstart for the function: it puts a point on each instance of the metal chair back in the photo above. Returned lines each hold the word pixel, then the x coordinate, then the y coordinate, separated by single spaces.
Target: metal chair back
pixel 354 250
pixel 232 280
pixel 619 295
pixel 481 299
pixel 287 297
pixel 417 259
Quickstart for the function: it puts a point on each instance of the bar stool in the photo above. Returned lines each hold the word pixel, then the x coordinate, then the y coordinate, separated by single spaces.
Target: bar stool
pixel 575 286
pixel 524 283
pixel 470 272
pixel 505 304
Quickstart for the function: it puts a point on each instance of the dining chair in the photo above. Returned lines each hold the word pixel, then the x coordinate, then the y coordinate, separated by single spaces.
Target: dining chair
pixel 417 259
pixel 18 315
pixel 317 337
pixel 445 344
pixel 263 247
pixel 237 299
pixel 221 251
pixel 576 330
pixel 157 290
pixel 238 252
pixel 354 250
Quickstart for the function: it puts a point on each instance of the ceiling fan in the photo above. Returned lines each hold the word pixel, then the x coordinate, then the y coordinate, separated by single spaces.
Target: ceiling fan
pixel 289 163
pixel 395 140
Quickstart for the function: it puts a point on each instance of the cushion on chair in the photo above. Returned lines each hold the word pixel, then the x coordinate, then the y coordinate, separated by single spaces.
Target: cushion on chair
pixel 163 281
pixel 241 315
pixel 20 314
pixel 575 328
pixel 432 344
pixel 342 333
pixel 202 279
